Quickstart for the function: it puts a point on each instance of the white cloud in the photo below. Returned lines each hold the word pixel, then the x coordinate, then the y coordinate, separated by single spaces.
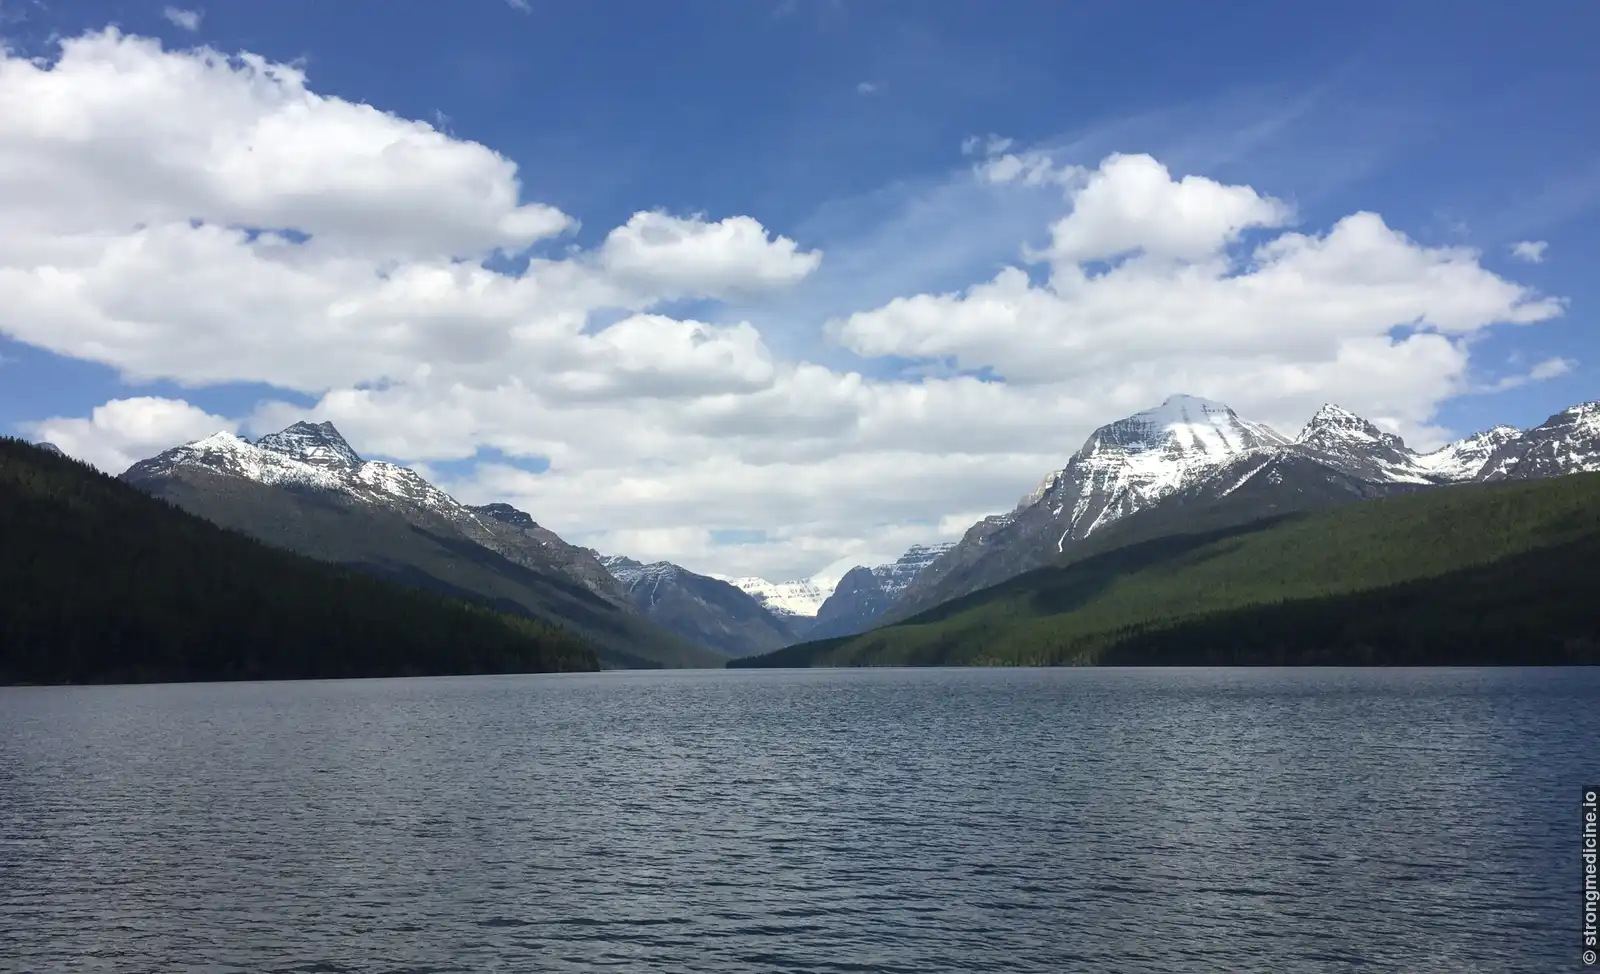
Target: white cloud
pixel 1550 368
pixel 186 19
pixel 201 218
pixel 1131 204
pixel 123 431
pixel 522 5
pixel 119 133
pixel 1530 251
pixel 866 87
pixel 673 256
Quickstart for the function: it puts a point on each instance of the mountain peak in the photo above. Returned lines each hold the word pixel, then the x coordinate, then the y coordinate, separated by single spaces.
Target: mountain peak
pixel 49 447
pixel 1463 459
pixel 222 439
pixel 1333 412
pixel 1182 424
pixel 1567 442
pixel 315 443
pixel 1586 414
pixel 1335 425
pixel 1180 400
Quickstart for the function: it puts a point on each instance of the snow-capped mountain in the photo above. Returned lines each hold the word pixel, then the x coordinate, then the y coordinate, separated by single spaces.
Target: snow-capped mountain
pixel 316 457
pixel 707 610
pixel 1350 444
pixel 317 444
pixel 895 576
pixel 800 599
pixel 50 447
pixel 304 489
pixel 1465 458
pixel 1123 467
pixel 1568 442
pixel 1131 463
pixel 1189 452
pixel 864 594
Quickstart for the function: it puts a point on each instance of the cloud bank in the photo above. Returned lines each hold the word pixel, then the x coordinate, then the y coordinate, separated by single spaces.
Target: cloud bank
pixel 207 218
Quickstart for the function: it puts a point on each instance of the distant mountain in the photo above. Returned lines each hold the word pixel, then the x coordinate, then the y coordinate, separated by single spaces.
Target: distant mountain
pixel 1465 458
pixel 49 447
pixel 1568 442
pixel 306 490
pixel 796 601
pixel 102 583
pixel 1123 467
pixel 704 610
pixel 864 594
pixel 316 457
pixel 1472 573
pixel 1191 452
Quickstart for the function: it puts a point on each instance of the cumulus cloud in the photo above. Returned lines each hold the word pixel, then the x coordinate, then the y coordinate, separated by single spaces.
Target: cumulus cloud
pixel 1530 251
pixel 124 431
pixel 186 19
pixel 1131 204
pixel 664 254
pixel 1337 311
pixel 208 218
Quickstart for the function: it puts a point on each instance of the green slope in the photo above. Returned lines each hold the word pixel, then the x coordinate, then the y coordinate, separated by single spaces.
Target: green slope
pixel 333 528
pixel 1467 574
pixel 100 582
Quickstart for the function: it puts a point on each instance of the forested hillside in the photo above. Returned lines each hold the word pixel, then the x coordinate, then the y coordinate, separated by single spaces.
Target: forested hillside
pixel 1461 574
pixel 100 582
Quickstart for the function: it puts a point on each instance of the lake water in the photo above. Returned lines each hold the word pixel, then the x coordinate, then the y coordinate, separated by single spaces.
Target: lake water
pixel 881 820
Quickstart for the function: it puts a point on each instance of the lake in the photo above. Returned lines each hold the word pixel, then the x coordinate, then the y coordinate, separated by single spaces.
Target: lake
pixel 876 820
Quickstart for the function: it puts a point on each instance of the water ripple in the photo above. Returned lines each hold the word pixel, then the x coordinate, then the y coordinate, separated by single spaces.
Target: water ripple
pixel 880 821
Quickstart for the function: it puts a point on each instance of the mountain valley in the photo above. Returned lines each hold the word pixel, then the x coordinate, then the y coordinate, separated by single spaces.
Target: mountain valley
pixel 1185 466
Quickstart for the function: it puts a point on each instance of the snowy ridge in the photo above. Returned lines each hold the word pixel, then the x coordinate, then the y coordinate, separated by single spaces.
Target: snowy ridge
pixel 319 445
pixel 1352 445
pixel 895 576
pixel 630 572
pixel 315 456
pixel 1194 451
pixel 308 455
pixel 226 453
pixel 802 597
pixel 1568 442
pixel 1463 459
pixel 1132 463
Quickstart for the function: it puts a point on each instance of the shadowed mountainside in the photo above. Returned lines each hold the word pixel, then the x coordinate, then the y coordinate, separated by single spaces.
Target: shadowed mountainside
pixel 102 583
pixel 1462 574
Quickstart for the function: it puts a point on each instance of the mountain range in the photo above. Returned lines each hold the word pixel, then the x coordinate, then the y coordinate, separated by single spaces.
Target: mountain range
pixel 101 583
pixel 305 489
pixel 1188 452
pixel 1475 573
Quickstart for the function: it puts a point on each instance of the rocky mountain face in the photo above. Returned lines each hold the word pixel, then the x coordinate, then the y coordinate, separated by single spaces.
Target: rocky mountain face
pixel 707 611
pixel 796 601
pixel 1189 452
pixel 1568 442
pixel 317 457
pixel 306 490
pixel 1123 467
pixel 1466 458
pixel 864 594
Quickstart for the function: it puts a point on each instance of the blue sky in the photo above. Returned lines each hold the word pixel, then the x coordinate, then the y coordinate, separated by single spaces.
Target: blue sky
pixel 839 124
